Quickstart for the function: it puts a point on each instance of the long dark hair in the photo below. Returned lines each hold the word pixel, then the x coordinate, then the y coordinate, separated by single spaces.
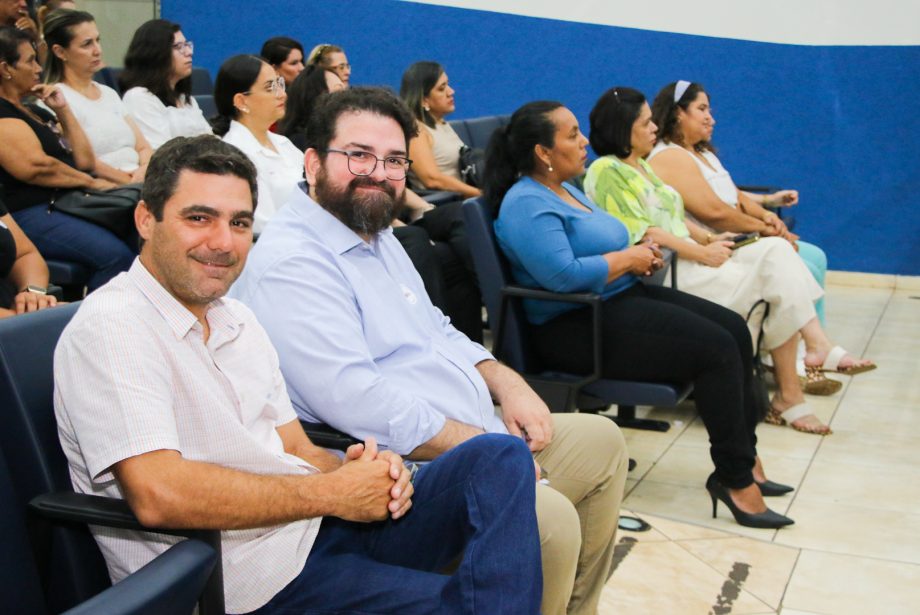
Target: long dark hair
pixel 309 85
pixel 664 114
pixel 612 119
pixel 238 74
pixel 417 82
pixel 58 30
pixel 149 62
pixel 510 154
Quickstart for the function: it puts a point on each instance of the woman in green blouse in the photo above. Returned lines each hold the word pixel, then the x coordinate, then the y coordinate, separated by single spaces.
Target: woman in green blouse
pixel 711 266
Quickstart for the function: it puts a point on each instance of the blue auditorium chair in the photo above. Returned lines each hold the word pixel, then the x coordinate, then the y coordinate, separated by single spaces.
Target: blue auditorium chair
pixel 68 561
pixel 562 392
pixel 171 583
pixel 202 84
pixel 477 131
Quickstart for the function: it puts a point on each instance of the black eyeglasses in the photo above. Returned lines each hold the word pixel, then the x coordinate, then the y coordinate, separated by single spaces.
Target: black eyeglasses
pixel 362 163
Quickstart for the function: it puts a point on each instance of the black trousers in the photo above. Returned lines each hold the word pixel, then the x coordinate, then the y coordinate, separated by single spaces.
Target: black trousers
pixel 446 267
pixel 654 333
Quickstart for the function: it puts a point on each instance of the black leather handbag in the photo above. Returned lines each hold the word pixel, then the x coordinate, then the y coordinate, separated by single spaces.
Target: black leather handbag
pixel 111 209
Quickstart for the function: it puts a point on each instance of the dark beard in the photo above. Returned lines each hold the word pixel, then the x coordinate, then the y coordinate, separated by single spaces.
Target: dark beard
pixel 365 214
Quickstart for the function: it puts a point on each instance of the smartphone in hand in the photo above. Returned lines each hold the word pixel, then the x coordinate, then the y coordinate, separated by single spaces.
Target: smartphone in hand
pixel 743 240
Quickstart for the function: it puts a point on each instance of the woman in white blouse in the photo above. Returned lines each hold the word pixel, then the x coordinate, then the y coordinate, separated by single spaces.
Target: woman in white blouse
pixel 157 83
pixel 74 56
pixel 250 98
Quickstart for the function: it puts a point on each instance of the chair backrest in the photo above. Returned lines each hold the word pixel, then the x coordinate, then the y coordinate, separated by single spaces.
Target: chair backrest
pixel 30 445
pixel 206 104
pixel 19 582
pixel 201 82
pixel 494 273
pixel 477 131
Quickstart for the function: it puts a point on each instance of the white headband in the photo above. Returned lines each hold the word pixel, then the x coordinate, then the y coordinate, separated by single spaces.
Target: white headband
pixel 680 89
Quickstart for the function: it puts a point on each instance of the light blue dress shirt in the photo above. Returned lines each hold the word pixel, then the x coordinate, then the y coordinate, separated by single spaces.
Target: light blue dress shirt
pixel 361 346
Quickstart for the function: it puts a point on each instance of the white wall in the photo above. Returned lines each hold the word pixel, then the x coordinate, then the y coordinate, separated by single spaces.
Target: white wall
pixel 802 22
pixel 117 21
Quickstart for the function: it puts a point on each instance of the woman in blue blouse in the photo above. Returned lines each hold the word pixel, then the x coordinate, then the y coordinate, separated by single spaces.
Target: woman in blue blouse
pixel 556 239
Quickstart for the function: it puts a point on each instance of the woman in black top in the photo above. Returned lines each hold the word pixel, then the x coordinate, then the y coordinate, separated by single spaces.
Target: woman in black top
pixel 23 272
pixel 42 157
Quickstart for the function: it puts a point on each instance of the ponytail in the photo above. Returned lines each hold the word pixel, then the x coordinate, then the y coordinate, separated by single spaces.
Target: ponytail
pixel 510 154
pixel 236 75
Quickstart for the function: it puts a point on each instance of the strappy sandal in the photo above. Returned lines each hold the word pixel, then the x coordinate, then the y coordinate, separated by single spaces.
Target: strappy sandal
pixel 832 364
pixel 794 413
pixel 814 382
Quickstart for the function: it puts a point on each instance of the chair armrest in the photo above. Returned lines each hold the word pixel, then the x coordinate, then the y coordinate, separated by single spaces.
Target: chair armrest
pixel 68 506
pixel 547 295
pixel 170 583
pixel 593 300
pixel 657 278
pixel 328 437
pixel 757 189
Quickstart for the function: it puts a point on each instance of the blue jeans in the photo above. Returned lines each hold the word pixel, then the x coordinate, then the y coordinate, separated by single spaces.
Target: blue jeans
pixel 816 261
pixel 477 500
pixel 59 236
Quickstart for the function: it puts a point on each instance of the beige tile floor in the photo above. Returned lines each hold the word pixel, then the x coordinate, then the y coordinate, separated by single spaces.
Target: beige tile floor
pixel 855 546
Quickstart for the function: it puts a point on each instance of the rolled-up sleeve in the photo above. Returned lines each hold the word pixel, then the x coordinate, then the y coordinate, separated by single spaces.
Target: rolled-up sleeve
pixel 330 373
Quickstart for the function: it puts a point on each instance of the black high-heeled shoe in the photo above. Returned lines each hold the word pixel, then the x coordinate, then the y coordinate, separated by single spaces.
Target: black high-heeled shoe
pixel 770 489
pixel 767 519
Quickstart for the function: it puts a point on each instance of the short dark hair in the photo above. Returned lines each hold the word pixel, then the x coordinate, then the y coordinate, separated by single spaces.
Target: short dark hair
pixel 417 83
pixel 149 62
pixel 236 75
pixel 277 49
pixel 510 153
pixel 201 154
pixel 11 38
pixel 330 107
pixel 58 30
pixel 664 113
pixel 612 119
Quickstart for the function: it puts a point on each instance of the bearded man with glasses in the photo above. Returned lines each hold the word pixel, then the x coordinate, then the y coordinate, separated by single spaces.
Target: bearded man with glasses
pixel 363 349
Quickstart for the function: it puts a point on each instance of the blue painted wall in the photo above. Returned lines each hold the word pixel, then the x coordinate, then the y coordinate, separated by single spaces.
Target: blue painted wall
pixel 840 124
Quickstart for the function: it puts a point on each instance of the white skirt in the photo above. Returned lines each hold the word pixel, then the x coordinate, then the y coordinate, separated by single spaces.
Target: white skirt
pixel 768 269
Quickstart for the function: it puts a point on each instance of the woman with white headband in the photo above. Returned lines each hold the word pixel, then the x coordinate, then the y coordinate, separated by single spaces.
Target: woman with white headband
pixel 714 267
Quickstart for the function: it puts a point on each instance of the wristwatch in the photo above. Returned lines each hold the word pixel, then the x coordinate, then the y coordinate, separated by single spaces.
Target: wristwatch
pixel 38 290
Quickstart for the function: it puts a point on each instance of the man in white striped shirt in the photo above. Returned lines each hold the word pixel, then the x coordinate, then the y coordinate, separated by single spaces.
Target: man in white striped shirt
pixel 170 396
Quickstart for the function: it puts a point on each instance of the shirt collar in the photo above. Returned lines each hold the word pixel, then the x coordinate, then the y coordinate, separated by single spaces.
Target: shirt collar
pixel 239 131
pixel 329 228
pixel 220 314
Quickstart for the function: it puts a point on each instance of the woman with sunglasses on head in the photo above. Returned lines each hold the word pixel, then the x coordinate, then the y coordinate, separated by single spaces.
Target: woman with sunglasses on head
pixel 75 55
pixel 711 266
pixel 331 57
pixel 436 150
pixel 650 333
pixel 250 97
pixel 157 83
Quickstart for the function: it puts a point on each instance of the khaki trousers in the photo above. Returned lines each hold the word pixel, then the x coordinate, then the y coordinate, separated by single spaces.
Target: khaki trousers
pixel 578 512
